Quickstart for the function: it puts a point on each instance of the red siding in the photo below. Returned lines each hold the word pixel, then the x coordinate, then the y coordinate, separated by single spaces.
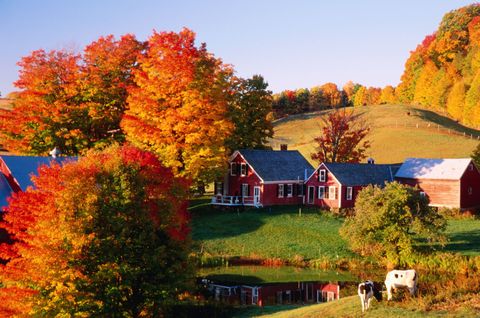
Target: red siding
pixel 470 198
pixel 301 292
pixel 439 192
pixel 329 182
pixel 268 192
pixel 235 182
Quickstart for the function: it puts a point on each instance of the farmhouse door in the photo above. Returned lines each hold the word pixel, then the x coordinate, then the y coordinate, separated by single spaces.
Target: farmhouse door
pixel 256 195
pixel 311 194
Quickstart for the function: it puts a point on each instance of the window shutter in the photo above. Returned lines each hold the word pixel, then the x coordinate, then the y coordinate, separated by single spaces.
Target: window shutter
pixel 248 190
pixel 247 166
pixel 239 167
pixel 278 190
pixel 326 192
pixel 294 190
pixel 336 192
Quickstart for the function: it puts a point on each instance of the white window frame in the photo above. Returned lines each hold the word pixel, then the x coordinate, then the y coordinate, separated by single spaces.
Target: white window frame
pixel 244 189
pixel 289 190
pixel 321 192
pixel 331 193
pixel 243 169
pixel 349 193
pixel 322 175
pixel 233 172
pixel 281 190
pixel 423 194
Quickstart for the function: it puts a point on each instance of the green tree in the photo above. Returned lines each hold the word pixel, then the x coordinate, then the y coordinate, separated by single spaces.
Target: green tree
pixel 249 111
pixel 387 220
pixel 476 155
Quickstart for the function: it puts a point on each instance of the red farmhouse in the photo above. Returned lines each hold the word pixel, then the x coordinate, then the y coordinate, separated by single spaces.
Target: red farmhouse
pixel 336 185
pixel 452 183
pixel 262 178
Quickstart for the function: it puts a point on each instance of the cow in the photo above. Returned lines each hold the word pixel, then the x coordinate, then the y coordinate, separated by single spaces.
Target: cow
pixel 401 278
pixel 366 291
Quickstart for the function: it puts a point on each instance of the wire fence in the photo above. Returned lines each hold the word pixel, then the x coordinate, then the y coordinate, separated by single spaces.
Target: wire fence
pixel 439 129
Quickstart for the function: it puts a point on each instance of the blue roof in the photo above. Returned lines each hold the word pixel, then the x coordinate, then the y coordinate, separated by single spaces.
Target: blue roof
pixel 351 174
pixel 5 191
pixel 23 167
pixel 275 165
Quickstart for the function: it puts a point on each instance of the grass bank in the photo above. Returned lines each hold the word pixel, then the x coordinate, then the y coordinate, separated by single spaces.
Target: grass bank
pixel 277 233
pixel 350 307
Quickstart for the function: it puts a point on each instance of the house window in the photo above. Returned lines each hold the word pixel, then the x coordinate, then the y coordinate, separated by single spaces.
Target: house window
pixel 233 169
pixel 244 190
pixel 280 190
pixel 470 190
pixel 289 190
pixel 470 166
pixel 322 175
pixel 349 193
pixel 333 193
pixel 321 192
pixel 243 169
pixel 423 194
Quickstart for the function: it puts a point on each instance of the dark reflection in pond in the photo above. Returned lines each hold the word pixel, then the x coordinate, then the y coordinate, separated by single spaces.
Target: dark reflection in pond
pixel 259 285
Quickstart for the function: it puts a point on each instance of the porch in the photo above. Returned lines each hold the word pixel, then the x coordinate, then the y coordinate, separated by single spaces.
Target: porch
pixel 230 200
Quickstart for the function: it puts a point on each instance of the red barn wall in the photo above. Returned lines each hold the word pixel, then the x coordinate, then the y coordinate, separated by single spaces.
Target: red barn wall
pixel 269 195
pixel 330 182
pixel 470 188
pixel 235 182
pixel 439 192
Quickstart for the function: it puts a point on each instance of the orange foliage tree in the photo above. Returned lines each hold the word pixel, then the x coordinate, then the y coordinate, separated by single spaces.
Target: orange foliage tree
pixel 104 236
pixel 70 101
pixel 342 139
pixel 178 108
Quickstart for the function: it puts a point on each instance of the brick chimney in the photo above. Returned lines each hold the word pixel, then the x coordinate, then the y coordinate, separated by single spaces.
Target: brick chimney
pixel 283 147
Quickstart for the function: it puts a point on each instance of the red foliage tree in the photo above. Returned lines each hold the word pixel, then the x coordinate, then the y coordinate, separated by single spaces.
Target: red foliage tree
pixel 106 236
pixel 341 139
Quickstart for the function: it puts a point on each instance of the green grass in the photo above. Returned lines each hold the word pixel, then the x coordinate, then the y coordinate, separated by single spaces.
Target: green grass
pixel 350 307
pixel 263 233
pixel 394 134
pixel 464 236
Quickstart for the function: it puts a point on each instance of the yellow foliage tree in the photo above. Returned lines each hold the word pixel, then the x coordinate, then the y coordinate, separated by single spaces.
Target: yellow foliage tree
pixel 179 109
pixel 456 100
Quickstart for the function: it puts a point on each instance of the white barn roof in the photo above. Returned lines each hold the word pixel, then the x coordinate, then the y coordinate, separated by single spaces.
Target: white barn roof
pixel 444 169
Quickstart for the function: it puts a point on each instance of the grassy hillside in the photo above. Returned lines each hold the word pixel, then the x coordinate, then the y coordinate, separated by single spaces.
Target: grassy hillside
pixel 394 133
pixel 350 307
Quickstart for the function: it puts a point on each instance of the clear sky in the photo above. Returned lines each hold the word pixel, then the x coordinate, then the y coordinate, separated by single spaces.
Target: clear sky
pixel 293 44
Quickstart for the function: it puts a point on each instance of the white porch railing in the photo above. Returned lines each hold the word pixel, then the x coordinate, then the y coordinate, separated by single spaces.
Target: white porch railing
pixel 230 200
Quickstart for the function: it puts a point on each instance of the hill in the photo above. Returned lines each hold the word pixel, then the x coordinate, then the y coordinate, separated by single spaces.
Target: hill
pixel 397 132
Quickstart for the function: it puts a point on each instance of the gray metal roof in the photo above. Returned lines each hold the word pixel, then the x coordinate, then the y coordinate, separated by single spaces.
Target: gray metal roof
pixel 441 169
pixel 275 165
pixel 22 167
pixel 351 174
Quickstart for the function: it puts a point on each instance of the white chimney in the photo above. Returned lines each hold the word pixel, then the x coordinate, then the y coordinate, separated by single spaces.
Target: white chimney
pixel 55 152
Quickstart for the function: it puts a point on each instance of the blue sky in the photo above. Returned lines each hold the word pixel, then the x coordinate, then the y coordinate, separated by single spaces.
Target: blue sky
pixel 293 44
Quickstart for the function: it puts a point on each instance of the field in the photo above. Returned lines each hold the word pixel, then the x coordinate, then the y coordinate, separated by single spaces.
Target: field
pixel 263 233
pixel 280 232
pixel 350 307
pixel 394 133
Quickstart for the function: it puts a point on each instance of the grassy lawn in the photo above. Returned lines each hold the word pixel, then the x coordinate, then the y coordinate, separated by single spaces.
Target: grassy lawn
pixel 350 307
pixel 464 236
pixel 394 134
pixel 278 232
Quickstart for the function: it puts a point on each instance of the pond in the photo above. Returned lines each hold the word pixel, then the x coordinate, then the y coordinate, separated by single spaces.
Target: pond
pixel 263 285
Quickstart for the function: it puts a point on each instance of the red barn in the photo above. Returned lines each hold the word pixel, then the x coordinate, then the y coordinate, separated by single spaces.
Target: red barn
pixel 452 183
pixel 263 178
pixel 336 185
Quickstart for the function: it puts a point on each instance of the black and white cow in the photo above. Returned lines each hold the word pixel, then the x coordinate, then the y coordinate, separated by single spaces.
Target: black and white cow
pixel 397 278
pixel 366 291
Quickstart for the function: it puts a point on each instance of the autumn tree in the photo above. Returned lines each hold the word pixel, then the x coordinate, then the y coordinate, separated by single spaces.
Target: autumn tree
pixel 71 101
pixel 178 110
pixel 476 155
pixel 342 138
pixel 249 111
pixel 387 96
pixel 107 236
pixel 387 221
